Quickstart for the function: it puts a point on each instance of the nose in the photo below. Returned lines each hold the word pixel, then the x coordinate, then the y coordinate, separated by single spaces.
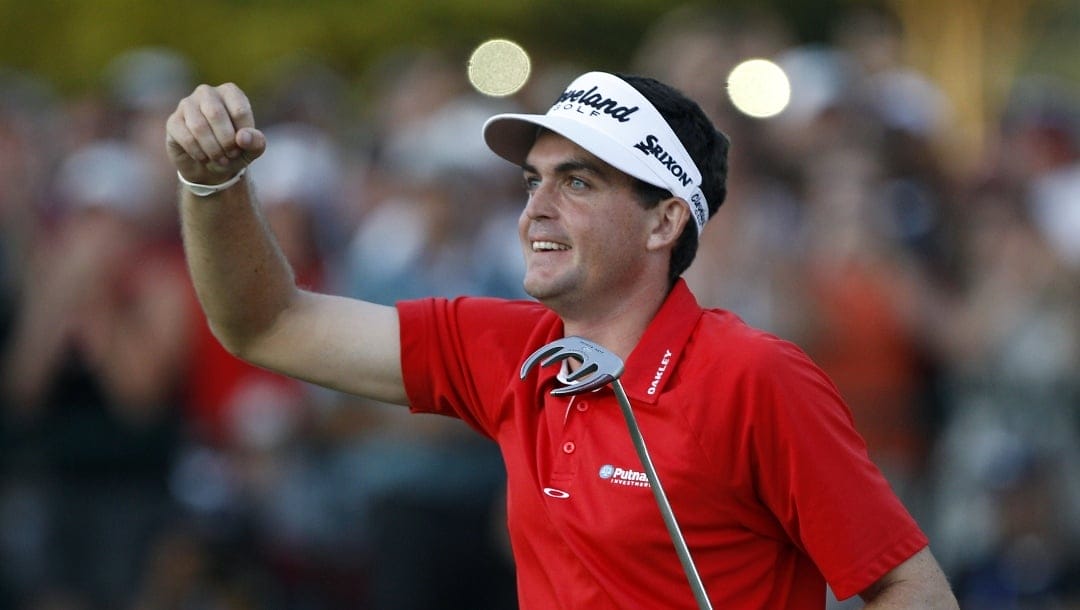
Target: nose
pixel 541 202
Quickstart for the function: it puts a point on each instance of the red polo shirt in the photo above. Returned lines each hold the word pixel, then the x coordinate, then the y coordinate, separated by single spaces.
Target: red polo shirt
pixel 768 479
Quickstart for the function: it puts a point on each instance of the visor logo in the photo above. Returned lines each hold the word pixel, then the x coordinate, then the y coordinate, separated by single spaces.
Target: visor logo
pixel 651 147
pixel 701 212
pixel 596 100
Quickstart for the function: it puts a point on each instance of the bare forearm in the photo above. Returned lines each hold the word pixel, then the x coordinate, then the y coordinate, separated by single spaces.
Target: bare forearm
pixel 905 598
pixel 241 277
pixel 916 583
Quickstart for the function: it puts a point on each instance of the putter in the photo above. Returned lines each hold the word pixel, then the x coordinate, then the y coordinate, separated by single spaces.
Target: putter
pixel 600 367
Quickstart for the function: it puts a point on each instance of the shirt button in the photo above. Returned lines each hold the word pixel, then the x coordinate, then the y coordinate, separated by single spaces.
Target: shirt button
pixel 582 406
pixel 569 447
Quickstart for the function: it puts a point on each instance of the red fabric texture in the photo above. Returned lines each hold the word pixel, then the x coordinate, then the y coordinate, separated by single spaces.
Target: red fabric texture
pixel 770 482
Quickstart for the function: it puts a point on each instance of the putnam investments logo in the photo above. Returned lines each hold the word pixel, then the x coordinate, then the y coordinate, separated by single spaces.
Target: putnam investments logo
pixel 623 476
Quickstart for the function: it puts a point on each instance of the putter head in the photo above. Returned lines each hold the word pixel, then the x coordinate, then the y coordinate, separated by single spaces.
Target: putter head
pixel 599 367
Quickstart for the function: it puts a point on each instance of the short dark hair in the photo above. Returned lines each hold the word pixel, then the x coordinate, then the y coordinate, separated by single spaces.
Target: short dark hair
pixel 707 146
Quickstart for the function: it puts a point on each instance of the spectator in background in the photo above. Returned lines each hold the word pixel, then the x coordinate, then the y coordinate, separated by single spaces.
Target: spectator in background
pixel 428 491
pixel 28 110
pixel 1043 129
pixel 92 370
pixel 1010 337
pixel 859 309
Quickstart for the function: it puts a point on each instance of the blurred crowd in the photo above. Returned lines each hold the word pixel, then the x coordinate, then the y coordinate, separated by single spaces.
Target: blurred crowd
pixel 144 468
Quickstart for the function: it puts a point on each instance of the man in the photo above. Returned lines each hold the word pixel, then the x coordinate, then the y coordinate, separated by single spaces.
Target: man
pixel 770 483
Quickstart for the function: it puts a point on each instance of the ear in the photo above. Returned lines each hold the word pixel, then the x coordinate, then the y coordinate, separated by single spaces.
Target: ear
pixel 669 218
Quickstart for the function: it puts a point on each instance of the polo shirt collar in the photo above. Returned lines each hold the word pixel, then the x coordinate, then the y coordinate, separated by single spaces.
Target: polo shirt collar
pixel 653 361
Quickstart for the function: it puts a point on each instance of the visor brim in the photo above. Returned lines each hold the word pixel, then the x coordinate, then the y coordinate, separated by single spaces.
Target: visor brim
pixel 511 136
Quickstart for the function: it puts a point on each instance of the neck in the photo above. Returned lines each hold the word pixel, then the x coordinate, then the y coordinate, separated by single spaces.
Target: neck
pixel 619 324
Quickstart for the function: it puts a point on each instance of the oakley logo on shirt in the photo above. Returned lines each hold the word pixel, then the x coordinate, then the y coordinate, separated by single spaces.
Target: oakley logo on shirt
pixel 558 494
pixel 659 373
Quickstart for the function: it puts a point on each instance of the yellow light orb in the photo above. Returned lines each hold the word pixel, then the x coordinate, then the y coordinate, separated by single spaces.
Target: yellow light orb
pixel 499 68
pixel 759 88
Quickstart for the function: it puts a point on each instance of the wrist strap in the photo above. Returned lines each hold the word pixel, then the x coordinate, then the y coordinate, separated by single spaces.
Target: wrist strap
pixel 205 190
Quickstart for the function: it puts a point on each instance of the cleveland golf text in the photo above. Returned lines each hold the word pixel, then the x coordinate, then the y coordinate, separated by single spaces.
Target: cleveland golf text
pixel 593 99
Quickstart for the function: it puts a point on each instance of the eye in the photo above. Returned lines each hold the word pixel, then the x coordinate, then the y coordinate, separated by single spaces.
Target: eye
pixel 531 183
pixel 577 183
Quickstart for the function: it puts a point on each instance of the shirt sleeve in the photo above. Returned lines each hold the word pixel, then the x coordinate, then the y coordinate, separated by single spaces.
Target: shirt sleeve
pixel 459 356
pixel 815 475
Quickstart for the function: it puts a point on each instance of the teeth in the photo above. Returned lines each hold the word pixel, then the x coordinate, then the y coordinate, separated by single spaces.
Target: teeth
pixel 539 246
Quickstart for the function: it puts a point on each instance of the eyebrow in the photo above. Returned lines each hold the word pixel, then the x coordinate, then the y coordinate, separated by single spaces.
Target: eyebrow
pixel 569 166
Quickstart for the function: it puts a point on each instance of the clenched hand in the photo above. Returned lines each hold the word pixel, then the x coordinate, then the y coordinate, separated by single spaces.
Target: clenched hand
pixel 211 136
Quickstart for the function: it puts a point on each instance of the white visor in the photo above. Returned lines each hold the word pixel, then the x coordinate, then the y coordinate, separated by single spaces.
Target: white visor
pixel 608 117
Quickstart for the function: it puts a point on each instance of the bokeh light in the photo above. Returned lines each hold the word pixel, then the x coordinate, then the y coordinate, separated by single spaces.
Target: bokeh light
pixel 759 88
pixel 499 68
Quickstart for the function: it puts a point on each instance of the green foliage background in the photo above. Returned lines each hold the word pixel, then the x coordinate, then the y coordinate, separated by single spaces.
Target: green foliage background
pixel 70 41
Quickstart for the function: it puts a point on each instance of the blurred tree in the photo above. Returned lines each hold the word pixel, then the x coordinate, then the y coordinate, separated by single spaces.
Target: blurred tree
pixel 69 41
pixel 973 50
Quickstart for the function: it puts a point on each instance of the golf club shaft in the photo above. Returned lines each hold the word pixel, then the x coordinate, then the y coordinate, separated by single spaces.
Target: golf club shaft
pixel 661 500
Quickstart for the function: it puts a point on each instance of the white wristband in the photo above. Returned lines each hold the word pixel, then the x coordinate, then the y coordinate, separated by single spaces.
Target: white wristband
pixel 205 190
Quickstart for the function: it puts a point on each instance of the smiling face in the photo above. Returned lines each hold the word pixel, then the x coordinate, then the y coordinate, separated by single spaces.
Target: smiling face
pixel 585 235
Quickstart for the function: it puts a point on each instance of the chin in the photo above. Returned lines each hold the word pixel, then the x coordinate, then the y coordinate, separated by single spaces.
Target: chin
pixel 540 290
pixel 547 283
pixel 534 291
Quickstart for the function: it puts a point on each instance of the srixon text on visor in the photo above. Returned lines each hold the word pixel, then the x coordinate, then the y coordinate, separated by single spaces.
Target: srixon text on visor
pixel 594 99
pixel 651 147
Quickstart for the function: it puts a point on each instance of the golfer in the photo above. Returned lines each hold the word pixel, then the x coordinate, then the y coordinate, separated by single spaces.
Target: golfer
pixel 770 482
